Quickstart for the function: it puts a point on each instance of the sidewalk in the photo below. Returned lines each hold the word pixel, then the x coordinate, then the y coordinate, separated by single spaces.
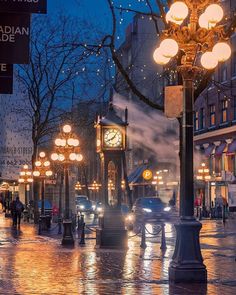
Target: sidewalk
pixel 32 264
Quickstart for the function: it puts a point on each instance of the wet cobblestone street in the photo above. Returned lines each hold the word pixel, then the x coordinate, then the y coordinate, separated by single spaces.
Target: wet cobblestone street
pixel 32 264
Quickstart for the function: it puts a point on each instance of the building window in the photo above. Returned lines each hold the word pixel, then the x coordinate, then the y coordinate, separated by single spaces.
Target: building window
pixel 234 64
pixel 224 116
pixel 212 115
pixel 223 73
pixel 196 121
pixel 202 118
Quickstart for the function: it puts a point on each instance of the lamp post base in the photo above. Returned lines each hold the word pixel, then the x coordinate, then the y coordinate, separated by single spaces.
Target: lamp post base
pixel 187 263
pixel 68 239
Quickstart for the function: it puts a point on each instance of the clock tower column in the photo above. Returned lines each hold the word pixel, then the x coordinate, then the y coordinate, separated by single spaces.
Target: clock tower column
pixel 111 145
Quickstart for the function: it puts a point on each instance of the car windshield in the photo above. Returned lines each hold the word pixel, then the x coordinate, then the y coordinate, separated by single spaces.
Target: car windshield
pixel 151 202
pixel 84 202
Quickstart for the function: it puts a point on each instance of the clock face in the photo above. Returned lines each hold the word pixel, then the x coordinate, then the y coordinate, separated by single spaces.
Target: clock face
pixel 113 137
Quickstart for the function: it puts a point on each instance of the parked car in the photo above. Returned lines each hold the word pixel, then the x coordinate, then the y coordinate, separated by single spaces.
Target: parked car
pixel 148 208
pixel 84 205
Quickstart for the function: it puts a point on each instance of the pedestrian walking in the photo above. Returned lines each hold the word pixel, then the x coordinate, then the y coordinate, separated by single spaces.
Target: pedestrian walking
pixel 17 209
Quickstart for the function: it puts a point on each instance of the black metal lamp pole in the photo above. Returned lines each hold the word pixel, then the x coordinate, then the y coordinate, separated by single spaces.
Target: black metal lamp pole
pixel 43 196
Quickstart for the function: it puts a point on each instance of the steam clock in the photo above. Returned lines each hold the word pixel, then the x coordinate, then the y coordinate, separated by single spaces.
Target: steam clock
pixel 111 145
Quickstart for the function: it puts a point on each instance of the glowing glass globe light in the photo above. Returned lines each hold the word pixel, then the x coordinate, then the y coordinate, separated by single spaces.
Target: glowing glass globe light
pixel 72 156
pixel 21 180
pixel 26 167
pixel 79 157
pixel 46 164
pixel 28 173
pixel 222 51
pixel 61 158
pixel 30 180
pixel 66 128
pixel 48 173
pixel 76 142
pixel 58 142
pixel 204 22
pixel 179 10
pixel 63 142
pixel 42 155
pixel 38 163
pixel 159 58
pixel 54 157
pixel 71 141
pixel 209 60
pixel 36 173
pixel 22 173
pixel 170 19
pixel 169 48
pixel 214 13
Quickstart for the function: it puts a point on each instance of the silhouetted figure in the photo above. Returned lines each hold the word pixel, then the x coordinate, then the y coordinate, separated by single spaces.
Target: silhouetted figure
pixel 17 208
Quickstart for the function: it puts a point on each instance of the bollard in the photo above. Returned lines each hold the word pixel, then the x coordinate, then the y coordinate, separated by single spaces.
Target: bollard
pixel 59 226
pixel 78 223
pixel 163 237
pixel 40 226
pixel 200 213
pixel 143 244
pixel 82 237
pixel 223 214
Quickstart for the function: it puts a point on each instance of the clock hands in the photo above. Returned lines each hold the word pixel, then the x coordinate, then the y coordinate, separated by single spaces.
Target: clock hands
pixel 109 139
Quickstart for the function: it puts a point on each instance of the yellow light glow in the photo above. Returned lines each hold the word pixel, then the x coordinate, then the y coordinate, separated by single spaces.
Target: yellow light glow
pixel 28 173
pixel 46 164
pixel 170 19
pixel 72 156
pixel 199 177
pixel 67 128
pixel 22 173
pixel 58 142
pixel 79 157
pixel 214 13
pixel 222 51
pixel 30 180
pixel 61 158
pixel 21 180
pixel 42 155
pixel 36 173
pixel 204 22
pixel 179 10
pixel 38 163
pixel 48 173
pixel 159 58
pixel 203 165
pixel 54 157
pixel 26 167
pixel 209 60
pixel 169 48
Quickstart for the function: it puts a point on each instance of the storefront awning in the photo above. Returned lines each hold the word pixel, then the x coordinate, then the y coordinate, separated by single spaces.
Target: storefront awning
pixel 231 148
pixel 209 150
pixel 220 149
pixel 136 174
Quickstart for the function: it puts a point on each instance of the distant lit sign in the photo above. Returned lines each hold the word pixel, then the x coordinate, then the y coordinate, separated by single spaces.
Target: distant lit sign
pixel 23 6
pixel 147 174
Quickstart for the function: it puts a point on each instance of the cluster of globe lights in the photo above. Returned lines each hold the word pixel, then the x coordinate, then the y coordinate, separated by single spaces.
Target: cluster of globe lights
pixel 42 166
pixel 67 142
pixel 169 47
pixel 25 175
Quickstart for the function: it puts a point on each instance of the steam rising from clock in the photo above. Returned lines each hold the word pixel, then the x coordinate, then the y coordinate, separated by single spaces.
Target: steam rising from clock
pixel 149 128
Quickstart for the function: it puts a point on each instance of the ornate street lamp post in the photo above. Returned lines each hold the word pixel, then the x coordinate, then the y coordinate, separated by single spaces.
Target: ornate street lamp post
pixel 25 178
pixel 67 151
pixel 194 31
pixel 42 170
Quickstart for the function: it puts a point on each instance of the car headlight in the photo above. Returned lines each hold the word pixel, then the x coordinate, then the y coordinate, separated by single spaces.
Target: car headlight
pixel 147 210
pixel 130 217
pixel 81 207
pixel 167 209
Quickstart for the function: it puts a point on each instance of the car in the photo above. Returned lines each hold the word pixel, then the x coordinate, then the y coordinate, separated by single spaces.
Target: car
pixel 148 208
pixel 84 205
pixel 98 208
